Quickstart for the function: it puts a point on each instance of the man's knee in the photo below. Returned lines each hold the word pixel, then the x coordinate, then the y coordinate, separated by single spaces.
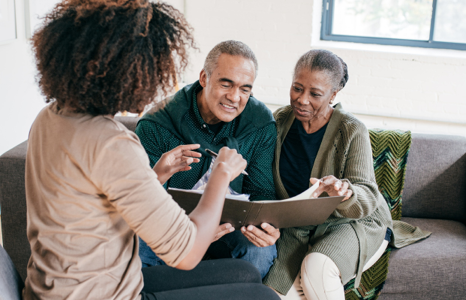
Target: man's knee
pixel 147 256
pixel 244 247
pixel 261 257
pixel 266 256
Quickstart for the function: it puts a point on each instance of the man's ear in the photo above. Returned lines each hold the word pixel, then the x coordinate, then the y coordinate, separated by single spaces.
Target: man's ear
pixel 203 78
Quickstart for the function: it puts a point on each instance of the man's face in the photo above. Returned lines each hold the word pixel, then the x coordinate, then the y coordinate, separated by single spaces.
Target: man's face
pixel 225 94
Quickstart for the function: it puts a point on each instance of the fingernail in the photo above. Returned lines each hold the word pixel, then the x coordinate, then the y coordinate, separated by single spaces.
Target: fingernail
pixel 228 225
pixel 264 225
pixel 232 229
pixel 243 229
pixel 250 227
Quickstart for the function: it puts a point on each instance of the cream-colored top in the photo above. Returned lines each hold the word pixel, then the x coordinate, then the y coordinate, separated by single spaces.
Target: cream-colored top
pixel 89 189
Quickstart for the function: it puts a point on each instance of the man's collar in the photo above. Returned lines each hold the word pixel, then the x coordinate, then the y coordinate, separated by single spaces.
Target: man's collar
pixel 194 105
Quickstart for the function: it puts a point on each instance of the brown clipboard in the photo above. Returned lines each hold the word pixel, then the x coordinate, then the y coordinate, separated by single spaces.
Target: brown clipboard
pixel 279 213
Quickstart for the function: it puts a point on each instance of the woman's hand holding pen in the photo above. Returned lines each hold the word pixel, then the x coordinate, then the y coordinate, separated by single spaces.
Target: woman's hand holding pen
pixel 215 155
pixel 206 215
pixel 231 161
pixel 227 161
pixel 176 160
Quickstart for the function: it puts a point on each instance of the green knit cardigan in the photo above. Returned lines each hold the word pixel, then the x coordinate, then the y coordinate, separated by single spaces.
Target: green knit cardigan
pixel 354 232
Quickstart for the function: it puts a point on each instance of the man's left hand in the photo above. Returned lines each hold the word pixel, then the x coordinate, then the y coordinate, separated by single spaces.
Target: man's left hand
pixel 176 160
pixel 261 238
pixel 222 230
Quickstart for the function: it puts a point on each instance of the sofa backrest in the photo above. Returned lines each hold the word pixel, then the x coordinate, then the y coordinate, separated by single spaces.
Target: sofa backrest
pixel 129 122
pixel 435 185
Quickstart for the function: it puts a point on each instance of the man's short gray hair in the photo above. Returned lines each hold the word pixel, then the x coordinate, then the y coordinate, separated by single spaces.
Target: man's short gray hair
pixel 232 48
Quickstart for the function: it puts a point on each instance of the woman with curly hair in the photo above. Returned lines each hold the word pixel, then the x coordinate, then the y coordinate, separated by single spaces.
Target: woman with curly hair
pixel 89 187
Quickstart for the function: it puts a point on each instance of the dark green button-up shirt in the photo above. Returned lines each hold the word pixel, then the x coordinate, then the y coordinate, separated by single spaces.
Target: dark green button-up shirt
pixel 257 146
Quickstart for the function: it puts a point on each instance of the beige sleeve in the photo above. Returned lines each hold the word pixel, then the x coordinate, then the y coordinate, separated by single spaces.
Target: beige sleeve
pixel 122 172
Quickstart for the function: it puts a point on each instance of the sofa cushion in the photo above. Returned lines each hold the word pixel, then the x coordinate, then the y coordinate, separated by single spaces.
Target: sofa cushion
pixel 434 268
pixel 435 185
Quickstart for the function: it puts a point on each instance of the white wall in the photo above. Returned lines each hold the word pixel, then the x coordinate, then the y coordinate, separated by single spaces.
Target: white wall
pixel 20 99
pixel 415 89
pixel 390 87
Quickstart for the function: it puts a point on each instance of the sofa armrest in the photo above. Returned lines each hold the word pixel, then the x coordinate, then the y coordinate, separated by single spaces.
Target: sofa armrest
pixel 13 204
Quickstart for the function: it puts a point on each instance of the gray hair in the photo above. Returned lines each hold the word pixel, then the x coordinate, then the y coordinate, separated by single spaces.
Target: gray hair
pixel 232 48
pixel 324 60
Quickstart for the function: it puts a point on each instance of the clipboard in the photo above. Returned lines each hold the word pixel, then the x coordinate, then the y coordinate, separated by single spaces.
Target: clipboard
pixel 293 212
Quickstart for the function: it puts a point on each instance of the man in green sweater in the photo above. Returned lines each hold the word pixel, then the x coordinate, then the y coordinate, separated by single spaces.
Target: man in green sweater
pixel 216 111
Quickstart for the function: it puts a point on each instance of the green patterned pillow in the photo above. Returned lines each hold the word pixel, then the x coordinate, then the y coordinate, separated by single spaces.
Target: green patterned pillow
pixel 372 281
pixel 390 152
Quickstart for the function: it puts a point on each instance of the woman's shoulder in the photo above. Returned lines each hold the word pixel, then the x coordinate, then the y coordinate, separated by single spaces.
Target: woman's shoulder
pixel 114 129
pixel 103 131
pixel 348 122
pixel 282 113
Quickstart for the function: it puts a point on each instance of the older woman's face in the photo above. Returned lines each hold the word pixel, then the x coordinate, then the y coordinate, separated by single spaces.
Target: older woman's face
pixel 310 94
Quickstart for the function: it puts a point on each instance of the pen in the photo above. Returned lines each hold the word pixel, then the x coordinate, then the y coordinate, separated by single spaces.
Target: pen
pixel 213 154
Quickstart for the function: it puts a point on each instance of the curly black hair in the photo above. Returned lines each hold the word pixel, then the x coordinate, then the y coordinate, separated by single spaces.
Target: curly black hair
pixel 105 56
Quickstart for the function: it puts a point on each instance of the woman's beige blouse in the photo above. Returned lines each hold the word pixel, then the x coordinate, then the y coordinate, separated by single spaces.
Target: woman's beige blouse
pixel 89 191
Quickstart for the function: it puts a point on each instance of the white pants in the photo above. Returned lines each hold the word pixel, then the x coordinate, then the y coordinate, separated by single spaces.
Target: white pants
pixel 319 278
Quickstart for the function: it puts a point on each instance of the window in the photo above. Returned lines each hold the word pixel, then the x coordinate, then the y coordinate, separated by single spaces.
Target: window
pixel 418 23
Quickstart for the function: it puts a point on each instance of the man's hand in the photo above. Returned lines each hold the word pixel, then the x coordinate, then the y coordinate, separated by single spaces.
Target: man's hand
pixel 333 187
pixel 261 238
pixel 176 160
pixel 222 230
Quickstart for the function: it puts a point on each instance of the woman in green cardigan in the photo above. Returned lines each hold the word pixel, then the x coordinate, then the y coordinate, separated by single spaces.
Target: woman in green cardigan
pixel 321 141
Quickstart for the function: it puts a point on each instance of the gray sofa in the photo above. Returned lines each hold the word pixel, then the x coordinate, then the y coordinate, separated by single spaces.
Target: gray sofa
pixel 434 198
